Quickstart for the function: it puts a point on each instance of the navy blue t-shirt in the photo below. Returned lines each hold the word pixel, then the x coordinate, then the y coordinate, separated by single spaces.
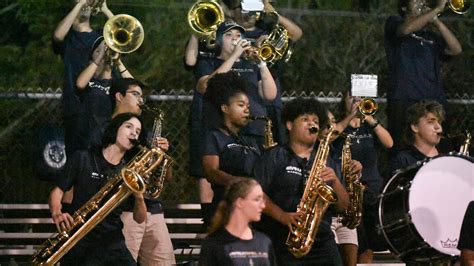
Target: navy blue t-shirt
pixel 466 238
pixel 97 103
pixel 222 248
pixel 88 172
pixel 282 175
pixel 364 149
pixel 75 51
pixel 251 74
pixel 414 63
pixel 237 155
pixel 403 159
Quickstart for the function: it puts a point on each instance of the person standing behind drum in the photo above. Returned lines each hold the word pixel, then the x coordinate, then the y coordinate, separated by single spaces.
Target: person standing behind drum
pixel 422 134
pixel 415 55
pixel 466 239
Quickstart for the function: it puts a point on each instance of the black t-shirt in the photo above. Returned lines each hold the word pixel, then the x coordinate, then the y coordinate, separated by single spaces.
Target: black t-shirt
pixel 414 63
pixel 251 74
pixel 403 159
pixel 222 248
pixel 75 51
pixel 237 155
pixel 88 172
pixel 466 239
pixel 97 102
pixel 363 149
pixel 282 175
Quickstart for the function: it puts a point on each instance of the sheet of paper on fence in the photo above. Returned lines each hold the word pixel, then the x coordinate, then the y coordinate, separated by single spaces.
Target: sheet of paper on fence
pixel 364 85
pixel 252 5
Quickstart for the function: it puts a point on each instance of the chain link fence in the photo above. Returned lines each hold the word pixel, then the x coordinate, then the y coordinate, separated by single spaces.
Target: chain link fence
pixel 26 116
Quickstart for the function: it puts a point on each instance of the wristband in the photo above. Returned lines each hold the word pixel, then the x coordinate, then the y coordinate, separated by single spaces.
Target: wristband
pixel 261 64
pixel 374 125
pixel 123 71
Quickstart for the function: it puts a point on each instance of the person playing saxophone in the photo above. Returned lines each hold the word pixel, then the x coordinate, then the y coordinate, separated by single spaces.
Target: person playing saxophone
pixel 283 172
pixel 88 171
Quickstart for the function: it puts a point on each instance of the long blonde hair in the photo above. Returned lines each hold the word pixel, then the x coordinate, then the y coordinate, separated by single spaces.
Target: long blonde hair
pixel 239 189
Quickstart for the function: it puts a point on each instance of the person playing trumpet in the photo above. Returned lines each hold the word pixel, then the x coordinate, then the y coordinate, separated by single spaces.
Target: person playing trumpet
pixel 366 134
pixel 415 55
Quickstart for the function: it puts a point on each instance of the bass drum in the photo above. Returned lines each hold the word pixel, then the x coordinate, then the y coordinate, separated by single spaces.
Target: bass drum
pixel 422 207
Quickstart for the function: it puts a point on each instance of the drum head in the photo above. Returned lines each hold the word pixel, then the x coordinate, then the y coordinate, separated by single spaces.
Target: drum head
pixel 439 195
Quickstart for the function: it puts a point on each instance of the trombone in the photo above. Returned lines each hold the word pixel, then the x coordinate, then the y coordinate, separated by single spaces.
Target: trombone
pixel 123 34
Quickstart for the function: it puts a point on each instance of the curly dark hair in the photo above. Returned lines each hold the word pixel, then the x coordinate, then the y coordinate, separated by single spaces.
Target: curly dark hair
pixel 417 111
pixel 222 86
pixel 402 4
pixel 300 106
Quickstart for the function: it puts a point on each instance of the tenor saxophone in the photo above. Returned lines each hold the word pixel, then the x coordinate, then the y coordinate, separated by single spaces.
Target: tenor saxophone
pixel 130 179
pixel 154 184
pixel 352 216
pixel 317 197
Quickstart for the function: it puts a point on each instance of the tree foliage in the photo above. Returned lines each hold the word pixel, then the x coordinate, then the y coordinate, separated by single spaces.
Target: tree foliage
pixel 333 46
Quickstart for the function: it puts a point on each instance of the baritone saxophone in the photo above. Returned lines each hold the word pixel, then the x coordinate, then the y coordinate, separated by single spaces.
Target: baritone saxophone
pixel 131 179
pixel 317 197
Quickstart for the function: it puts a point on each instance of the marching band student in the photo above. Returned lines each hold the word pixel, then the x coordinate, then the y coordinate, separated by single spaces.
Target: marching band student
pixel 422 132
pixel 415 55
pixel 88 171
pixel 93 85
pixel 283 172
pixel 259 30
pixel 367 133
pixel 73 39
pixel 228 154
pixel 466 238
pixel 231 240
pixel 260 84
pixel 346 238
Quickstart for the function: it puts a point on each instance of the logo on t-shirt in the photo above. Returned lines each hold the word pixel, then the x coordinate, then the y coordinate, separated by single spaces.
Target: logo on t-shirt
pixel 97 176
pixel 293 170
pixel 95 85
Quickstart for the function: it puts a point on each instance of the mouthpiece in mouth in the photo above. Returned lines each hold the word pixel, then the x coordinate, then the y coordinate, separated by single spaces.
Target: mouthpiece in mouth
pixel 134 142
pixel 234 43
pixel 313 130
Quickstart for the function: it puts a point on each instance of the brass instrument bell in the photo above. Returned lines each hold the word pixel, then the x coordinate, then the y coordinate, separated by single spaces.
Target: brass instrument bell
pixel 204 17
pixel 123 33
pixel 459 6
pixel 368 106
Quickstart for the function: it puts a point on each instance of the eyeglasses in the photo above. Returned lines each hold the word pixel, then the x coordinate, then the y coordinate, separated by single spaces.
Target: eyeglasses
pixel 137 95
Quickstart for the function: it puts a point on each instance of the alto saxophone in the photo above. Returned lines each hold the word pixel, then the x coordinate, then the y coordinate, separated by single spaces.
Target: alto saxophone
pixel 269 142
pixel 352 216
pixel 317 197
pixel 130 179
pixel 154 184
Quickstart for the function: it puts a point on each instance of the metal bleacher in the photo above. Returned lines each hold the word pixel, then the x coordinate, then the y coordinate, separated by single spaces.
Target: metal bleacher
pixel 24 227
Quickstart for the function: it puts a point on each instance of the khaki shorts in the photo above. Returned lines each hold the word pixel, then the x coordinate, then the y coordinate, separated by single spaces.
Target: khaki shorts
pixel 342 234
pixel 149 241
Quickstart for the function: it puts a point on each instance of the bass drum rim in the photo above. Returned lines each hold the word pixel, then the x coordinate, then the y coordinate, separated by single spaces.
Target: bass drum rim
pixel 407 177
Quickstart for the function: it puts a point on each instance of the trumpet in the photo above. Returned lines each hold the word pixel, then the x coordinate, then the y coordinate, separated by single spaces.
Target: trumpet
pixel 368 106
pixel 94 6
pixel 123 34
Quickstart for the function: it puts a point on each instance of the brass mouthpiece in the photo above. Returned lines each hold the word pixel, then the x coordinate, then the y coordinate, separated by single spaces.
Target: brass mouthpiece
pixel 252 117
pixel 313 130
